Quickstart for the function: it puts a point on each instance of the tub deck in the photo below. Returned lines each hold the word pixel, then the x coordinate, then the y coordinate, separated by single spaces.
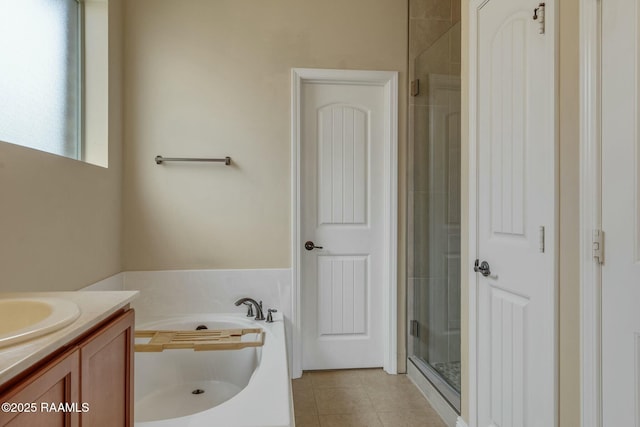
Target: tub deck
pixel 163 378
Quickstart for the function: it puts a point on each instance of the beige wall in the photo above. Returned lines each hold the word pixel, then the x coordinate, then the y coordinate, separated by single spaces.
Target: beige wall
pixel 207 78
pixel 569 268
pixel 60 218
pixel 210 78
pixel 569 292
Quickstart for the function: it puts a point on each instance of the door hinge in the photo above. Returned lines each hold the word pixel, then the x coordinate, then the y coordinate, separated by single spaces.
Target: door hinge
pixel 414 328
pixel 415 87
pixel 538 15
pixel 541 231
pixel 598 246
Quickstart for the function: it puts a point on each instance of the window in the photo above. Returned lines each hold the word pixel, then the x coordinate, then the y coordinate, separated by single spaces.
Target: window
pixel 41 75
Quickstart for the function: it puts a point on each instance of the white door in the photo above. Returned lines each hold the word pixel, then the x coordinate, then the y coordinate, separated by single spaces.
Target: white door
pixel 515 202
pixel 620 214
pixel 341 176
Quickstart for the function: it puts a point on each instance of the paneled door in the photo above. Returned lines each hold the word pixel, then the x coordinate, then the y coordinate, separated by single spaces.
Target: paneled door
pixel 620 214
pixel 514 197
pixel 341 227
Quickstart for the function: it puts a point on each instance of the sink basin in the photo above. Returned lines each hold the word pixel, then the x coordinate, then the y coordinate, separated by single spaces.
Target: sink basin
pixel 22 319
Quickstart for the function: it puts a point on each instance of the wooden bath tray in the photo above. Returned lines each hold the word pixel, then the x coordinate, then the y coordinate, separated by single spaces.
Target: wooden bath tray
pixel 203 340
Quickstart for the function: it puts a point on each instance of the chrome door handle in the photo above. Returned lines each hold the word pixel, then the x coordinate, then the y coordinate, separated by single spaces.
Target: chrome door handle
pixel 483 268
pixel 309 245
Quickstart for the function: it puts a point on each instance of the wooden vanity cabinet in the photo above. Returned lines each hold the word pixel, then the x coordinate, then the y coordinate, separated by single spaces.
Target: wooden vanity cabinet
pixel 96 370
pixel 106 374
pixel 56 381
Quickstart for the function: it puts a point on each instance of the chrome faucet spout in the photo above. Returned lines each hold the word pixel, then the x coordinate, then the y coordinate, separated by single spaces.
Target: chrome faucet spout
pixel 257 305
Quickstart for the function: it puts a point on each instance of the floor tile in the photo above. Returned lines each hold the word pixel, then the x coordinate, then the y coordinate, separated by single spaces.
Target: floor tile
pixel 307 421
pixel 341 378
pixel 410 419
pixel 378 377
pixel 304 402
pixel 302 383
pixel 360 397
pixel 401 397
pixel 342 400
pixel 361 419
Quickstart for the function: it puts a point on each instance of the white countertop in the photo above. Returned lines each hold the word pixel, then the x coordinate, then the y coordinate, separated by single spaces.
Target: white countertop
pixel 95 306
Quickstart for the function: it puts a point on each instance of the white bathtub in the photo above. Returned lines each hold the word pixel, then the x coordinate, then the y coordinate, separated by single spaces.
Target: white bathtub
pixel 234 388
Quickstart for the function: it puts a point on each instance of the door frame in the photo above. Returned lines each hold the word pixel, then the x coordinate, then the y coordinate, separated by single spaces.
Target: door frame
pixel 590 213
pixel 472 358
pixel 467 271
pixel 389 81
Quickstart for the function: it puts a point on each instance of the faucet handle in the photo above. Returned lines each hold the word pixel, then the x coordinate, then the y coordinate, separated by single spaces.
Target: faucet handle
pixel 260 315
pixel 270 316
pixel 250 310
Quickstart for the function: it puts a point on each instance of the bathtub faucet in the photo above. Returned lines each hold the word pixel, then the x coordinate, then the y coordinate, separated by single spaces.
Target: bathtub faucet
pixel 258 306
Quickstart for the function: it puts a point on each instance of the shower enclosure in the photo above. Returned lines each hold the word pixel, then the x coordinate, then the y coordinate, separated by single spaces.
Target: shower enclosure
pixel 434 216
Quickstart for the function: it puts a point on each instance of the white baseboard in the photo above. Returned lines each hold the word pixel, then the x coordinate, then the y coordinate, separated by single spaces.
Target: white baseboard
pixel 441 406
pixel 461 423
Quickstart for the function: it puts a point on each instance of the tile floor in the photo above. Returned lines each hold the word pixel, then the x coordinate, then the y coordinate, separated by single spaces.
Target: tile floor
pixel 360 398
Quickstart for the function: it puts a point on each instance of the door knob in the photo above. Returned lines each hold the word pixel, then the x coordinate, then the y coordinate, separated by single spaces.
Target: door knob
pixel 309 245
pixel 483 268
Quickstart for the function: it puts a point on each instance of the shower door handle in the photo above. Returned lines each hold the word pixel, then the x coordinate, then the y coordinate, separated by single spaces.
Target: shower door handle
pixel 483 268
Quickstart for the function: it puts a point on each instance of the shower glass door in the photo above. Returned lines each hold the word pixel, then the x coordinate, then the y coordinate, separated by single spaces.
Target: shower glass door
pixel 434 218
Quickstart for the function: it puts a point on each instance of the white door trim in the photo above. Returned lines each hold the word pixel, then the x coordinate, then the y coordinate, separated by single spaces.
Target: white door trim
pixel 472 42
pixel 590 212
pixel 388 80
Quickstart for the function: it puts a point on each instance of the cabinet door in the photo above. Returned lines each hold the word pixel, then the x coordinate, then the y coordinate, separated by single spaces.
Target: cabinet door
pixel 106 374
pixel 55 383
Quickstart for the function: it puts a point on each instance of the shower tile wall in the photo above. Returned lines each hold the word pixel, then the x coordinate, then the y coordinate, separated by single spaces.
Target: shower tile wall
pixel 428 21
pixel 434 182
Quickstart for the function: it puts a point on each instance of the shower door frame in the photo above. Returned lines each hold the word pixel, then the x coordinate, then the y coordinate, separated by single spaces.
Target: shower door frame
pixel 439 82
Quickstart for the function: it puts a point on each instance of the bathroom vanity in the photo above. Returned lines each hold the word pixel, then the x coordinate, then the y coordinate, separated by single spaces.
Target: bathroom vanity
pixel 79 375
